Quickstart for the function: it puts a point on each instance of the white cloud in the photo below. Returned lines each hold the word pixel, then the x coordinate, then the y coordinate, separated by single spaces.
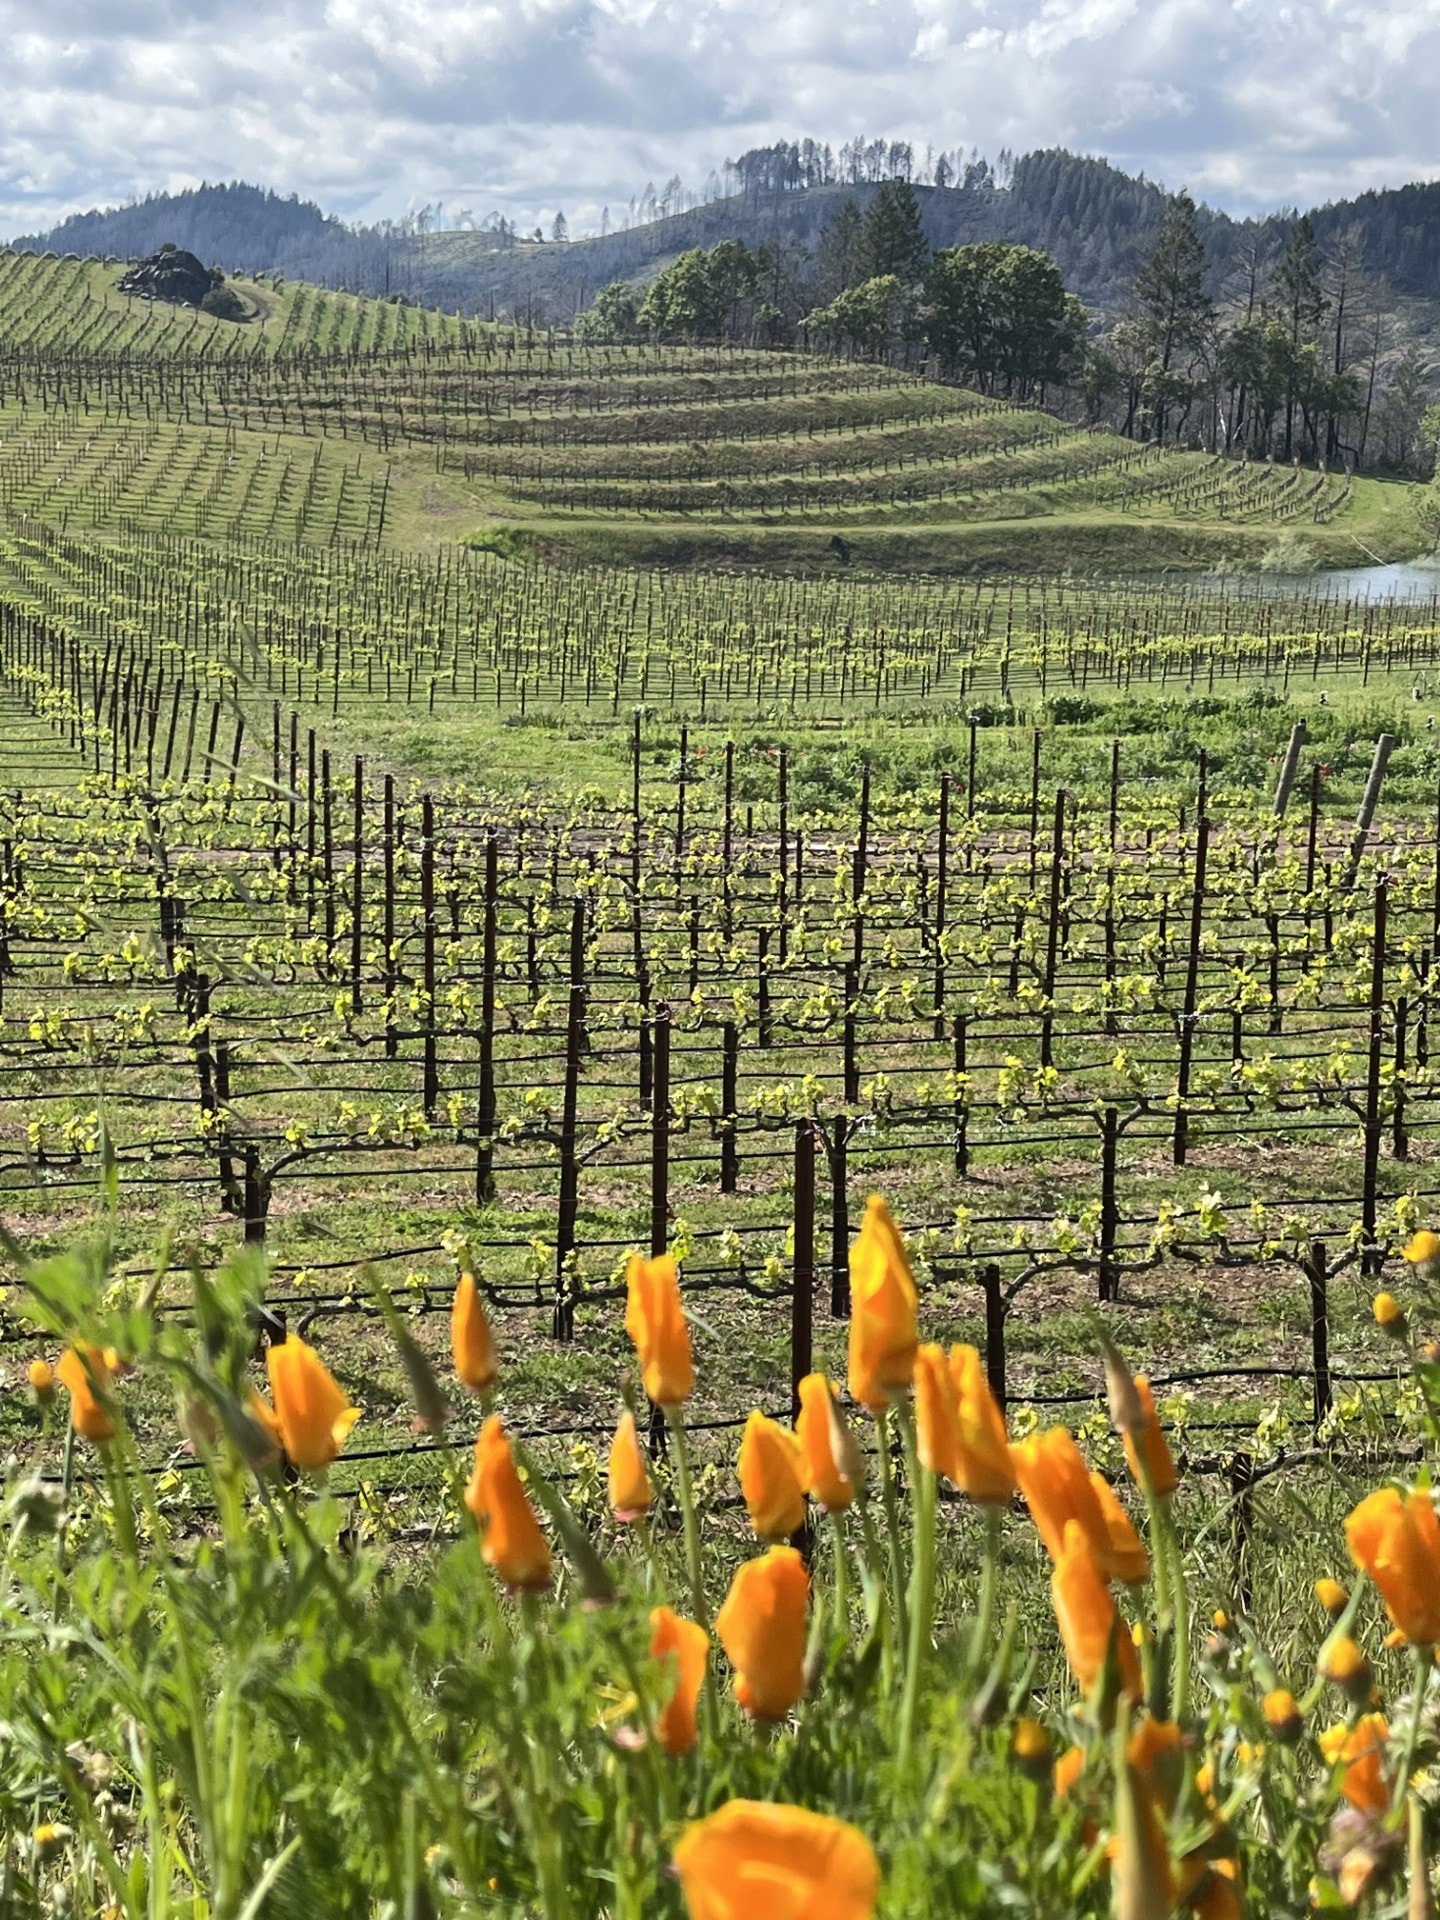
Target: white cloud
pixel 370 105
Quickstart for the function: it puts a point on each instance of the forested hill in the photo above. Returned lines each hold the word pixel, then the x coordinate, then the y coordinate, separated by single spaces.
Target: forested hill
pixel 243 228
pixel 1095 220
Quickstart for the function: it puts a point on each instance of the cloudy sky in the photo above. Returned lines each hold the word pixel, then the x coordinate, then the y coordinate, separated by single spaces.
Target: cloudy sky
pixel 374 106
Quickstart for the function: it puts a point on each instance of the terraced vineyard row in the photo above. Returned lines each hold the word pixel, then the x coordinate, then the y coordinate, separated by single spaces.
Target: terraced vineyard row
pixel 70 307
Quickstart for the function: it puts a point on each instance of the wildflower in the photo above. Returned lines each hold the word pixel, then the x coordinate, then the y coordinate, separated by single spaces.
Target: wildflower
pixel 1057 1489
pixel 1067 1771
pixel 471 1343
pixel 959 1427
pixel 1210 1889
pixel 834 1464
pixel 512 1542
pixel 655 1321
pixel 1389 1315
pixel 772 1478
pixel 1344 1662
pixel 42 1381
pixel 1396 1540
pixel 762 1629
pixel 1332 1596
pixel 49 1837
pixel 311 1411
pixel 1146 1449
pixel 85 1376
pixel 756 1860
pixel 629 1480
pixel 689 1646
pixel 1128 1558
pixel 883 1308
pixel 1360 1751
pixel 1090 1628
pixel 1282 1715
pixel 1423 1252
pixel 1030 1748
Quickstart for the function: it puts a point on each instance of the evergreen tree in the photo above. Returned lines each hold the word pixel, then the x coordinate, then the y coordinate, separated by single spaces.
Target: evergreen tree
pixel 837 258
pixel 892 239
pixel 1299 302
pixel 1176 310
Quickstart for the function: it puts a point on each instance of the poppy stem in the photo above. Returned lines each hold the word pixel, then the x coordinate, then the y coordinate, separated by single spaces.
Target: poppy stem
pixel 685 1493
pixel 892 1526
pixel 1421 1658
pixel 922 1578
pixel 1180 1602
pixel 985 1618
pixel 842 1575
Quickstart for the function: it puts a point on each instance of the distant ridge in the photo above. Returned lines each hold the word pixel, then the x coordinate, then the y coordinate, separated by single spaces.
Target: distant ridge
pixel 1096 220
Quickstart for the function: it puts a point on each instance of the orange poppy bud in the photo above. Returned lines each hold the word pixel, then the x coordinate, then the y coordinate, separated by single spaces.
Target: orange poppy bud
pixel 263 1414
pixel 1344 1662
pixel 312 1412
pixel 1128 1558
pixel 1282 1715
pixel 1396 1540
pixel 987 1472
pixel 758 1860
pixel 512 1542
pixel 1360 1750
pixel 772 1478
pixel 1148 1446
pixel 1068 1769
pixel 1030 1748
pixel 834 1464
pixel 1389 1315
pixel 1210 1889
pixel 85 1376
pixel 629 1479
pixel 687 1647
pixel 883 1307
pixel 42 1381
pixel 1057 1489
pixel 1332 1597
pixel 959 1428
pixel 471 1344
pixel 655 1321
pixel 762 1629
pixel 1089 1624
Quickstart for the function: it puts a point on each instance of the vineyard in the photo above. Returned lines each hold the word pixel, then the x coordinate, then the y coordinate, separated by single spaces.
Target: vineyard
pixel 593 450
pixel 381 904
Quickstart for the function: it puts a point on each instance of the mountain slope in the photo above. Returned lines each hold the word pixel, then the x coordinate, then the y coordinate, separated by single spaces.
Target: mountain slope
pixel 1097 222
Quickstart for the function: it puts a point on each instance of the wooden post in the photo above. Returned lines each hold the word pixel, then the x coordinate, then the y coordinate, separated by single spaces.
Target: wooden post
pixel 1315 1272
pixel 1192 981
pixel 485 1111
pixel 994 1332
pixel 729 1079
pixel 357 890
pixel 1370 1255
pixel 427 909
pixel 564 1321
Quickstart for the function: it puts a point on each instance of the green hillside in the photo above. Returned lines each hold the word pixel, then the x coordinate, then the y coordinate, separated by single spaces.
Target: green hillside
pixel 330 418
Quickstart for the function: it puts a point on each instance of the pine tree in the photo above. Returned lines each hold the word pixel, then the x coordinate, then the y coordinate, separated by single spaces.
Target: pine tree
pixel 1299 302
pixel 1176 310
pixel 837 259
pixel 892 239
